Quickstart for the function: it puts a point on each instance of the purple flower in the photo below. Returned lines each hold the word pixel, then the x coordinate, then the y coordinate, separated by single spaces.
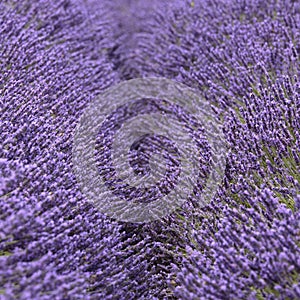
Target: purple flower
pixel 53 244
pixel 243 58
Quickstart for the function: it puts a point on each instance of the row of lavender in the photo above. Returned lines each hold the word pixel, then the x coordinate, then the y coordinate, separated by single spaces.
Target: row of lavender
pixel 244 59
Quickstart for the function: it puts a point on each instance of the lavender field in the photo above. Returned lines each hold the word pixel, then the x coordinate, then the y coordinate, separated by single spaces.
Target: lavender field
pixel 241 58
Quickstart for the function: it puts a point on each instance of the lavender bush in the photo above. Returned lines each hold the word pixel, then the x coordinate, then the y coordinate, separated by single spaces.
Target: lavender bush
pixel 242 57
pixel 53 244
pixel 250 250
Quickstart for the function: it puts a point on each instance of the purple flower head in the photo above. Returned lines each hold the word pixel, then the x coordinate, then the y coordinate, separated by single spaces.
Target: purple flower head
pixel 11 174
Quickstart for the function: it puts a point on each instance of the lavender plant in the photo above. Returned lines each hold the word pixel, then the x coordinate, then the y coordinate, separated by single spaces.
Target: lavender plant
pixel 242 57
pixel 248 249
pixel 54 245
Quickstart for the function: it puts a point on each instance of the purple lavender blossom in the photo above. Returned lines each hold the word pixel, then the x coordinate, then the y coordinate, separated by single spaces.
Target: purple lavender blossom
pixel 53 244
pixel 243 57
pixel 247 246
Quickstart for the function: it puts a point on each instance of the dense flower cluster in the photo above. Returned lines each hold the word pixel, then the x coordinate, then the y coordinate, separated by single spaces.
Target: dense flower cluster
pixel 53 244
pixel 245 60
pixel 251 250
pixel 242 57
